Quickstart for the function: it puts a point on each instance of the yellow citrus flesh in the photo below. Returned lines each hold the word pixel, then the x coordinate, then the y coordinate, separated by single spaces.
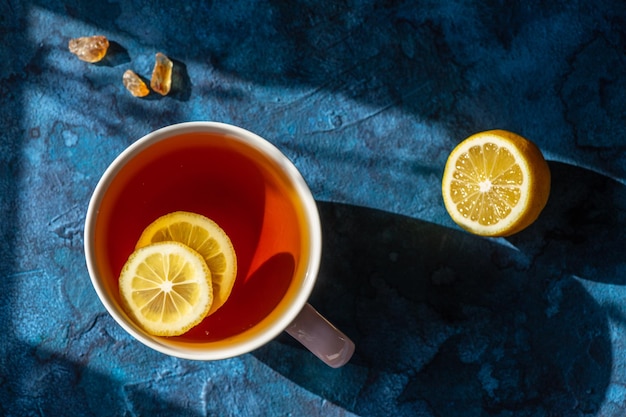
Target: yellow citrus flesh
pixel 166 288
pixel 204 236
pixel 495 183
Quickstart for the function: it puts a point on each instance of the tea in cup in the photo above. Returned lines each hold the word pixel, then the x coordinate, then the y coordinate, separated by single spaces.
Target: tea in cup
pixel 257 196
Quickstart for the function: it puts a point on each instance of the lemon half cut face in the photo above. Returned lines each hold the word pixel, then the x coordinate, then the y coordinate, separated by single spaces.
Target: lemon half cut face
pixel 495 183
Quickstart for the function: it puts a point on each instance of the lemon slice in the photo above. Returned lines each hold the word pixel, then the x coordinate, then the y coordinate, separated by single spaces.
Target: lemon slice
pixel 495 183
pixel 166 288
pixel 205 237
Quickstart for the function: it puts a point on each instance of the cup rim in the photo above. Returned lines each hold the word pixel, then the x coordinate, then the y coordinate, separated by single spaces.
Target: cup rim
pixel 311 214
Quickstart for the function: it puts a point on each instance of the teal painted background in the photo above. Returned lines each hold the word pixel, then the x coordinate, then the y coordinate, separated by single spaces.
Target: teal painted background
pixel 367 98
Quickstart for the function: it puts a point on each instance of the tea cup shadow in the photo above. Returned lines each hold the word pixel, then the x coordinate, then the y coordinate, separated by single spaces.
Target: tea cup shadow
pixel 441 326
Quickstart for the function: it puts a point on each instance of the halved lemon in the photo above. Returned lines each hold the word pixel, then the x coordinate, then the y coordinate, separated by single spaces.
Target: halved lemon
pixel 205 237
pixel 495 183
pixel 166 288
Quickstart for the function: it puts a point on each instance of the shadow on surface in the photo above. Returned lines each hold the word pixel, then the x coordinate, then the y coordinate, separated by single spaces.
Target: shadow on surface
pixel 582 230
pixel 12 163
pixel 52 385
pixel 116 55
pixel 467 66
pixel 181 83
pixel 381 53
pixel 34 381
pixel 447 323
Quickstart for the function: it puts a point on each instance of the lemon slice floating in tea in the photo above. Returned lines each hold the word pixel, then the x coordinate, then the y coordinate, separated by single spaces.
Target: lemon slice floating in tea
pixel 166 288
pixel 495 183
pixel 205 237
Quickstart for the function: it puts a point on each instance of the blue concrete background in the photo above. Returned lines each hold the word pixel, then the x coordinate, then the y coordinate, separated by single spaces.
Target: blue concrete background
pixel 367 98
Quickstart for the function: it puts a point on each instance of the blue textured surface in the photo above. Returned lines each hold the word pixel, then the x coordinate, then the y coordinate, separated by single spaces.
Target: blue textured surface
pixel 367 98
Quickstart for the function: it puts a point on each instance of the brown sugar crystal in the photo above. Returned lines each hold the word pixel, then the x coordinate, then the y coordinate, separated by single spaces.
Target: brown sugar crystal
pixel 135 84
pixel 89 48
pixel 161 80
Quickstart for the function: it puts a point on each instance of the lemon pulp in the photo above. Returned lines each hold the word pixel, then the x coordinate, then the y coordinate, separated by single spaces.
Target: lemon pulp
pixel 495 183
pixel 204 236
pixel 166 288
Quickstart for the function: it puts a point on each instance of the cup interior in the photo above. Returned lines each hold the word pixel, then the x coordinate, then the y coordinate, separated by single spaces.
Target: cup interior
pixel 251 190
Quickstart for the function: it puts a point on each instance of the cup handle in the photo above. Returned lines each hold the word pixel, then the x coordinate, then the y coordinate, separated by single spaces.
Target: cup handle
pixel 320 337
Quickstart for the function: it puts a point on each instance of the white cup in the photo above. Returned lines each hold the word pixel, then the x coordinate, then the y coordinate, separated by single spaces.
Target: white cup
pixel 262 202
